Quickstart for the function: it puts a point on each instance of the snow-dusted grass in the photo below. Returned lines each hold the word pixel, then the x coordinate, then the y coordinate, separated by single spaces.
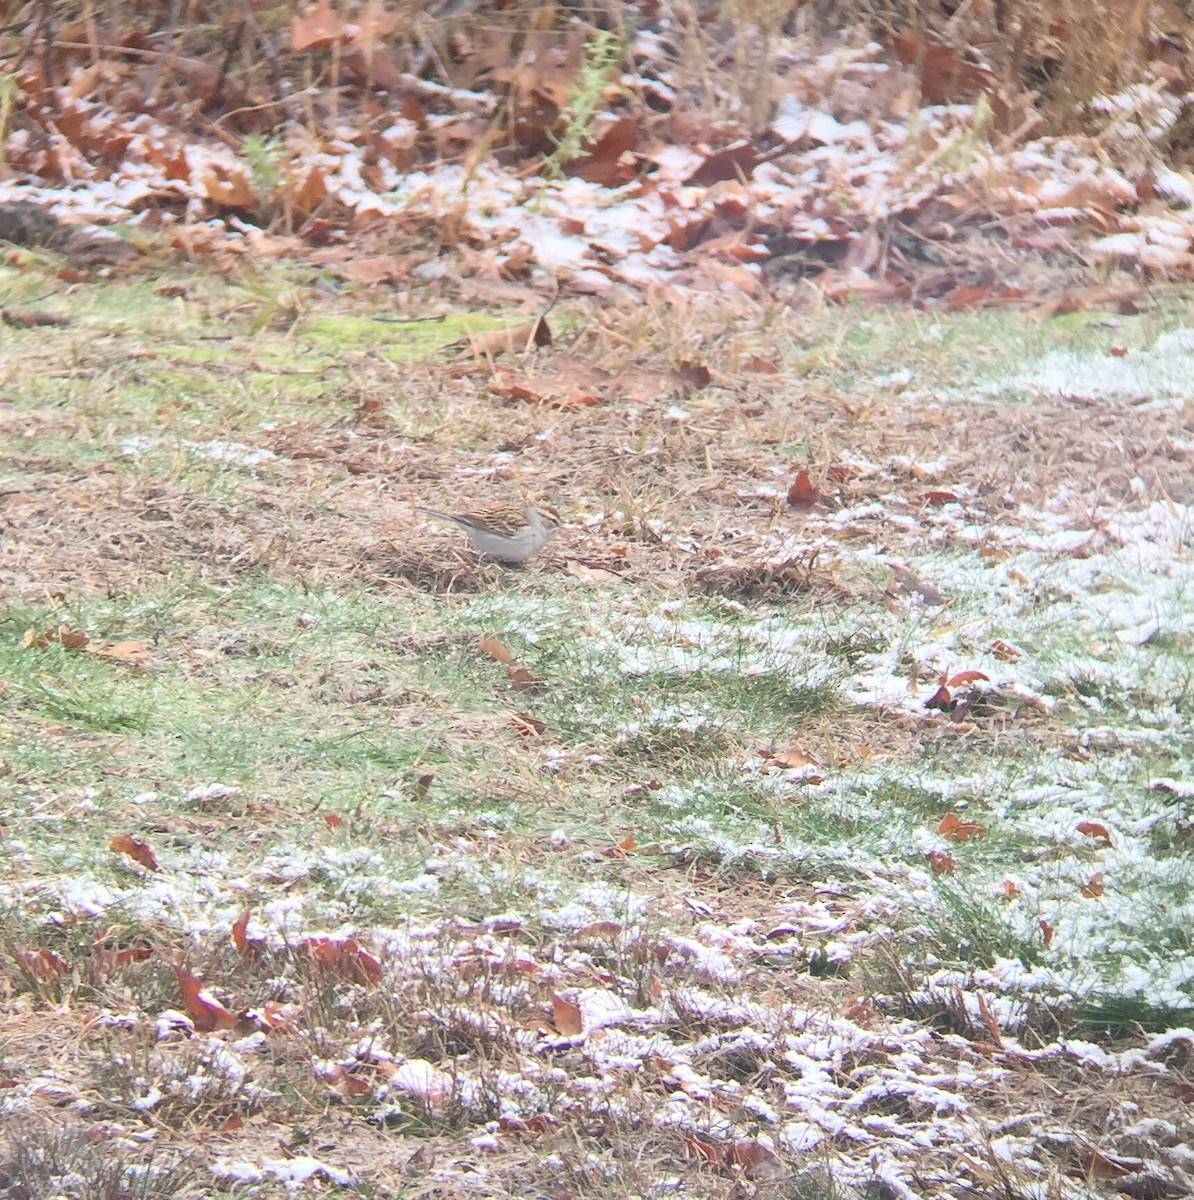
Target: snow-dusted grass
pixel 729 847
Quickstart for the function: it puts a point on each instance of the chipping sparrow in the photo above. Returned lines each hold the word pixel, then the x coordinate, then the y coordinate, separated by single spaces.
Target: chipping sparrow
pixel 508 532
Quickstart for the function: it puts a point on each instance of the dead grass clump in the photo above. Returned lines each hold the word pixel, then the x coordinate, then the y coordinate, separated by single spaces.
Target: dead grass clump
pixel 66 1157
pixel 389 562
pixel 759 580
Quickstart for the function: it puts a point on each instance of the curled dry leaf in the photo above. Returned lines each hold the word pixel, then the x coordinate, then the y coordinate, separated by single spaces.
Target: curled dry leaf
pixel 205 1011
pixel 247 947
pixel 136 848
pixel 964 677
pixel 1098 832
pixel 318 26
pixel 496 650
pixel 344 957
pixel 521 680
pixel 42 963
pixel 803 492
pixel 132 654
pixel 1004 651
pixel 956 830
pixel 526 725
pixel 567 1017
pixel 69 639
pixel 622 849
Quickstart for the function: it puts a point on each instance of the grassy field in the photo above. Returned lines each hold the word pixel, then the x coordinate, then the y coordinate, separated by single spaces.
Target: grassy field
pixel 731 847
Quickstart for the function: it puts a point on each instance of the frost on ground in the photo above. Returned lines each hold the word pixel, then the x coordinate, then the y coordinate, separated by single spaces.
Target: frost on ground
pixel 853 845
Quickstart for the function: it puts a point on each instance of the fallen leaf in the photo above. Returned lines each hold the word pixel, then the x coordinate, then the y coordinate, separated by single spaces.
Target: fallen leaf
pixel 1093 829
pixel 318 26
pixel 333 820
pixel 1004 651
pixel 69 639
pixel 802 493
pixel 956 830
pixel 792 757
pixel 567 1017
pixel 941 863
pixel 136 848
pixel 496 650
pixel 963 677
pixel 205 1011
pixel 984 1011
pixel 42 963
pixel 1094 887
pixel 281 1017
pixel 602 930
pixel 133 654
pixel 347 1084
pixel 1046 932
pixel 621 849
pixel 344 957
pixel 703 1150
pixel 387 268
pixel 587 574
pixel 526 725
pixel 422 789
pixel 521 680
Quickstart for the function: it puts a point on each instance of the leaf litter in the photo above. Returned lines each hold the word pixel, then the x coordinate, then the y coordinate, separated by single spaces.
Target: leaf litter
pixel 723 1031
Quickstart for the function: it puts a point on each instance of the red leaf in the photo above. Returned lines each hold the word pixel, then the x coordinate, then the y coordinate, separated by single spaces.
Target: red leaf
pixel 746 1153
pixel 1046 932
pixel 940 699
pixel 42 963
pixel 318 26
pixel 496 650
pixel 68 639
pixel 333 820
pixel 711 1154
pixel 956 830
pixel 803 493
pixel 136 848
pixel 526 725
pixel 239 928
pixel 1094 887
pixel 1092 829
pixel 567 1017
pixel 941 863
pixel 202 1007
pixel 344 957
pixel 963 677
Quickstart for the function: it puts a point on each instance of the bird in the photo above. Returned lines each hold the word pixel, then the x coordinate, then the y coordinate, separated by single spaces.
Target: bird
pixel 505 531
